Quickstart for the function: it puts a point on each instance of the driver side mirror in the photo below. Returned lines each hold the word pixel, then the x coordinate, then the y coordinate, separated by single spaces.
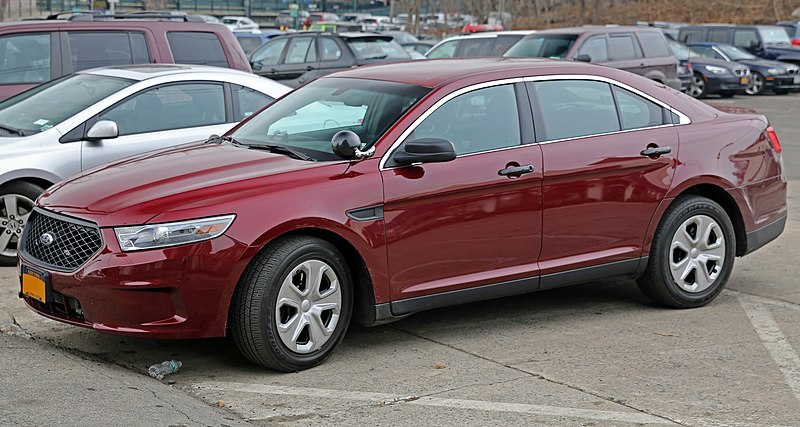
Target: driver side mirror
pixel 104 129
pixel 583 58
pixel 425 150
pixel 755 44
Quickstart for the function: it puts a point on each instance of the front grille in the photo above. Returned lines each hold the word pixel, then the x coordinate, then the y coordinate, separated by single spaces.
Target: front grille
pixel 60 242
pixel 61 306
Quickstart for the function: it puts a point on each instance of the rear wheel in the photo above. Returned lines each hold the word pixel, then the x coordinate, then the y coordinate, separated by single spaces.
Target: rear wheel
pixel 692 254
pixel 16 204
pixel 292 305
pixel 697 88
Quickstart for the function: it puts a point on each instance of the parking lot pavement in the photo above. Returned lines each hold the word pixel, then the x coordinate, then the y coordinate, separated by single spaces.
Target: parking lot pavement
pixel 598 354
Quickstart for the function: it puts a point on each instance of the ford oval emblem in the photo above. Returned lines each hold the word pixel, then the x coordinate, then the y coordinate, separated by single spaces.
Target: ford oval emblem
pixel 47 239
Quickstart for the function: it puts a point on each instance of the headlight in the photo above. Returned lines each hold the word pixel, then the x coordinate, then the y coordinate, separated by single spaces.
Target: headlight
pixel 152 236
pixel 716 70
pixel 775 71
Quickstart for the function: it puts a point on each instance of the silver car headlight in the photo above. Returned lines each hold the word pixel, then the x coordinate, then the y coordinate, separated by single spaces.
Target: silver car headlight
pixel 716 70
pixel 775 71
pixel 151 236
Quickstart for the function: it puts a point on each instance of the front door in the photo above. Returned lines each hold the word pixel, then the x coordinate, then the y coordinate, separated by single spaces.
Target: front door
pixel 472 221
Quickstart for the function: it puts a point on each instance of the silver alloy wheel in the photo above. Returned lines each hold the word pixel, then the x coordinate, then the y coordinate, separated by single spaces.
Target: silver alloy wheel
pixel 14 212
pixel 697 253
pixel 698 87
pixel 756 84
pixel 308 306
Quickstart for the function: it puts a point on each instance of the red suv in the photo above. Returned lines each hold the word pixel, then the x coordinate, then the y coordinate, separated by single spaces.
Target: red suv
pixel 33 52
pixel 380 191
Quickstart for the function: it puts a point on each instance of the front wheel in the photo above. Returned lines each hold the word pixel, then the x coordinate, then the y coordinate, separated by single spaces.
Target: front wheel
pixel 16 205
pixel 756 86
pixel 292 305
pixel 697 88
pixel 692 254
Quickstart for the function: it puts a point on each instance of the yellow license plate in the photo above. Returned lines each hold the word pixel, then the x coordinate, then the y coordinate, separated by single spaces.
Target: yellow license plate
pixel 33 285
pixel 744 80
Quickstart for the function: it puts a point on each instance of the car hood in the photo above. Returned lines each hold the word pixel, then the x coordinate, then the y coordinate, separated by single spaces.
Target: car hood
pixel 764 64
pixel 135 190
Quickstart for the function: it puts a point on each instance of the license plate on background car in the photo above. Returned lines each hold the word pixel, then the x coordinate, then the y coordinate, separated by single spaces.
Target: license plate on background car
pixel 35 283
pixel 744 80
pixel 797 80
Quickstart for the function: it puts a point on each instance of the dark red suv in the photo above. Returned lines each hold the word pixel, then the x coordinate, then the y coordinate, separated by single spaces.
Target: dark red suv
pixel 33 52
pixel 381 191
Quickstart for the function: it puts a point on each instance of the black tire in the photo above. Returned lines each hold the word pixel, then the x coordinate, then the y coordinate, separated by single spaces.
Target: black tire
pixel 658 282
pixel 20 189
pixel 727 94
pixel 253 318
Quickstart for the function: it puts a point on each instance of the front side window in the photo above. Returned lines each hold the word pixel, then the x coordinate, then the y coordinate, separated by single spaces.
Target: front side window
pixel 169 107
pixel 48 105
pixel 623 46
pixel 574 108
pixel 745 38
pixel 269 54
pixel 596 48
pixel 481 120
pixel 25 58
pixel 197 48
pixel 247 101
pixel 444 50
pixel 542 46
pixel 92 49
pixel 307 118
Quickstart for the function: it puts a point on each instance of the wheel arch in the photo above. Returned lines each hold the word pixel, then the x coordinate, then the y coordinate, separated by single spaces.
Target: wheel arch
pixel 41 182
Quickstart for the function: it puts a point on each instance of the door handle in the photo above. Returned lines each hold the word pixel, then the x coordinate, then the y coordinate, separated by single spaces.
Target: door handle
pixel 309 68
pixel 515 170
pixel 655 151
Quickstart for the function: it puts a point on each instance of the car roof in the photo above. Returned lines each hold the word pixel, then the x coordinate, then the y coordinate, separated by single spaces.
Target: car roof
pixel 143 72
pixel 489 34
pixel 598 29
pixel 435 72
pixel 53 24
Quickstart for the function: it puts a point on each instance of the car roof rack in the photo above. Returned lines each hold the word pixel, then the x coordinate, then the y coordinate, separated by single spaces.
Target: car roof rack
pixel 84 16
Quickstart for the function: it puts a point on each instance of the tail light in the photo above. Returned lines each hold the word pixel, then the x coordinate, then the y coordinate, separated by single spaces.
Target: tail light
pixel 796 42
pixel 773 139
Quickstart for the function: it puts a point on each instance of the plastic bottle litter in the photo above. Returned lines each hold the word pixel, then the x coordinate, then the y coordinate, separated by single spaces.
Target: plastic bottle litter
pixel 159 371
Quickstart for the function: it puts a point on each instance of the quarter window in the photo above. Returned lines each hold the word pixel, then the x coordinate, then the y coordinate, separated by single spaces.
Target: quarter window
pixel 25 58
pixel 91 49
pixel 247 101
pixel 169 107
pixel 329 50
pixel 654 44
pixel 197 48
pixel 481 120
pixel 574 108
pixel 636 112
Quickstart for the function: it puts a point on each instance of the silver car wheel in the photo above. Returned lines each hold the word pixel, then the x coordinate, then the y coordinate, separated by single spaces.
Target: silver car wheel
pixel 698 87
pixel 697 253
pixel 756 85
pixel 308 306
pixel 14 212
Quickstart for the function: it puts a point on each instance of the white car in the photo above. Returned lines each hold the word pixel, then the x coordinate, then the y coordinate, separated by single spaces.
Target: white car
pixel 240 23
pixel 97 116
pixel 494 43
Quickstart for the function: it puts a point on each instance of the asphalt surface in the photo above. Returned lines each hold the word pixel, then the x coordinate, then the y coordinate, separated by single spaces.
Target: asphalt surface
pixel 598 354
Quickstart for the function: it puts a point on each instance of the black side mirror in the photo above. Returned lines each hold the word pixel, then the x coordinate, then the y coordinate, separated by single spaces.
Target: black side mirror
pixel 583 58
pixel 345 144
pixel 425 150
pixel 755 44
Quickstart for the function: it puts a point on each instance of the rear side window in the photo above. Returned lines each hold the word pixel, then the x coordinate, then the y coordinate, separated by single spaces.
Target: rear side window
pixel 25 58
pixel 689 36
pixel 718 36
pixel 93 49
pixel 475 47
pixel 197 48
pixel 636 112
pixel 247 101
pixel 329 50
pixel 574 108
pixel 444 50
pixel 654 44
pixel 623 46
pixel 301 49
pixel 745 38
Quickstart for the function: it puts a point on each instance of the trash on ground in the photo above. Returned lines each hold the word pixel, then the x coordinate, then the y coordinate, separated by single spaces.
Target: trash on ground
pixel 159 371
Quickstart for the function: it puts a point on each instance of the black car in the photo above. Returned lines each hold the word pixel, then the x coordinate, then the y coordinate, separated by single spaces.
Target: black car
pixel 685 72
pixel 298 58
pixel 779 77
pixel 712 76
pixel 764 41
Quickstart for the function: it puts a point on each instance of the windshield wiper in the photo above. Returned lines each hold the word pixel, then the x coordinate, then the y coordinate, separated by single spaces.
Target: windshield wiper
pixel 10 129
pixel 282 149
pixel 216 139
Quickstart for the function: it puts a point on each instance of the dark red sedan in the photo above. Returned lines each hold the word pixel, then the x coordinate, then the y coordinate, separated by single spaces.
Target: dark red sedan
pixel 381 191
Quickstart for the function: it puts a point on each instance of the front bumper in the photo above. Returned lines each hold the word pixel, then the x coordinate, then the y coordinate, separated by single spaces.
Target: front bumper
pixel 783 82
pixel 177 292
pixel 724 84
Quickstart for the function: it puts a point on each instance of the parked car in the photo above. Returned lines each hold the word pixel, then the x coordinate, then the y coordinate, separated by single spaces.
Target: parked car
pixel 33 52
pixel 779 77
pixel 250 42
pixel 791 30
pixel 240 23
pixel 96 116
pixel 286 21
pixel 298 58
pixel 322 17
pixel 640 50
pixel 480 44
pixel 401 37
pixel 418 47
pixel 712 76
pixel 391 189
pixel 765 41
pixel 685 71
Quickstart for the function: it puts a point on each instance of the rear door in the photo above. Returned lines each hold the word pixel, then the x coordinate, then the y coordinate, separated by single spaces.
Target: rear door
pixel 625 53
pixel 92 49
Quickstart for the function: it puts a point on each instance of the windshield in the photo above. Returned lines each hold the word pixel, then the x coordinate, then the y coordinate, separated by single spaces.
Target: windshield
pixel 230 21
pixel 542 46
pixel 734 53
pixel 774 35
pixel 369 48
pixel 680 51
pixel 45 106
pixel 403 37
pixel 307 118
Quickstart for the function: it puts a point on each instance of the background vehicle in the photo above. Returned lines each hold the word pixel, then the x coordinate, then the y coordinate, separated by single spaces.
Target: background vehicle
pixel 639 50
pixel 480 44
pixel 685 71
pixel 764 41
pixel 291 226
pixel 791 28
pixel 298 58
pixel 240 23
pixel 250 42
pixel 97 116
pixel 779 77
pixel 33 52
pixel 712 76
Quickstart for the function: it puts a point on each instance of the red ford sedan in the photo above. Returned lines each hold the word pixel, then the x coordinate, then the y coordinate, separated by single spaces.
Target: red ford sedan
pixel 377 192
